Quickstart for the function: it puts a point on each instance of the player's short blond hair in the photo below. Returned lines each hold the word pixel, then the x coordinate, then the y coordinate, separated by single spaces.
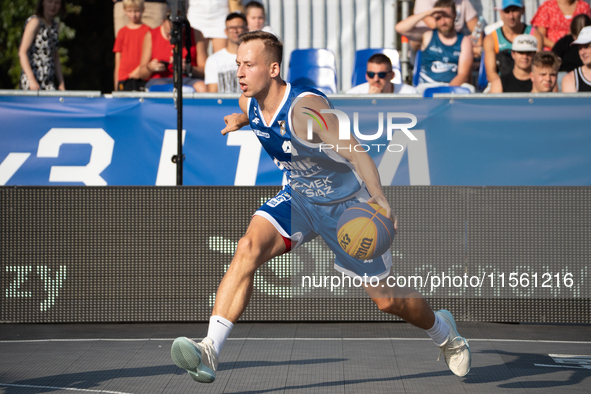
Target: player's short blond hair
pixel 273 47
pixel 133 4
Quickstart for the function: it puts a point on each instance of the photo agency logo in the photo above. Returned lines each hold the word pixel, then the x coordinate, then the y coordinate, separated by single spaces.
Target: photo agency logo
pixel 319 119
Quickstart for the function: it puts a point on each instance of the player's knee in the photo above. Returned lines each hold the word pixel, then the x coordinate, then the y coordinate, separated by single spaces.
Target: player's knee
pixel 247 251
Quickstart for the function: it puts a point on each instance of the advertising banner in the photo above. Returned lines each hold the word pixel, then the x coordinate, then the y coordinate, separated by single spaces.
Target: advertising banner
pixel 103 141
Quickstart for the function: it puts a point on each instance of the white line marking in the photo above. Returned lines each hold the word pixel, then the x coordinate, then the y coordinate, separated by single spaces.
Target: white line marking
pixel 529 341
pixel 62 388
pixel 561 366
pixel 290 339
pixel 548 365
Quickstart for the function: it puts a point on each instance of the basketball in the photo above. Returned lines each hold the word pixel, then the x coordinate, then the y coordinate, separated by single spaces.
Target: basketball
pixel 364 231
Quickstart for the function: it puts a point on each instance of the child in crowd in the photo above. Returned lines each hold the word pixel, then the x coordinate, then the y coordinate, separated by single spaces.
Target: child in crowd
pixel 255 17
pixel 128 48
pixel 544 72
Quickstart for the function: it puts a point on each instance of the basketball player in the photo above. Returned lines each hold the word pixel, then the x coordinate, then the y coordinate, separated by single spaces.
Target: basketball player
pixel 304 208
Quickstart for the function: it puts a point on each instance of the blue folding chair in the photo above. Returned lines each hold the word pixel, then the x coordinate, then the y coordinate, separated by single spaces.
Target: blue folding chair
pixel 482 79
pixel 313 67
pixel 360 65
pixel 169 87
pixel 445 89
pixel 417 68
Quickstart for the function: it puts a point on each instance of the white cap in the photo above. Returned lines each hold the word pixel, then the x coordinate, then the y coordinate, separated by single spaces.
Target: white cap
pixel 525 43
pixel 584 36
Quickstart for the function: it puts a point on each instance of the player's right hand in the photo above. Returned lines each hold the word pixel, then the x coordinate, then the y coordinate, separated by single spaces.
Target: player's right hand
pixel 232 123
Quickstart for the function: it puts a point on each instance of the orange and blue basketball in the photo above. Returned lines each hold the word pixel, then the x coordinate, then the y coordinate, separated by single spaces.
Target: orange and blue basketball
pixel 364 231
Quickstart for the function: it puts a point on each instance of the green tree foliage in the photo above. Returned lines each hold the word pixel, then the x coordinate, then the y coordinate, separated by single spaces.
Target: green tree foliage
pixel 13 16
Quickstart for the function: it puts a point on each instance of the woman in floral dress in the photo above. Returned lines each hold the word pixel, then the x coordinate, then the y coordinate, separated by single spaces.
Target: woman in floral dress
pixel 40 63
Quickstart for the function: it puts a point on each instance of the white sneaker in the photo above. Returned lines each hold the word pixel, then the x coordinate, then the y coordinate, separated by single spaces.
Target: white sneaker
pixel 199 359
pixel 455 350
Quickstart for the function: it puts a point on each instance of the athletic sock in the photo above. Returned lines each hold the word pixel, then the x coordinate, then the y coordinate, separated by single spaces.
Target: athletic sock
pixel 439 332
pixel 219 329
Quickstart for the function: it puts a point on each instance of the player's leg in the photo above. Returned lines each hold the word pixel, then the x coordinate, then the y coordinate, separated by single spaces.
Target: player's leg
pixel 409 304
pixel 406 303
pixel 261 243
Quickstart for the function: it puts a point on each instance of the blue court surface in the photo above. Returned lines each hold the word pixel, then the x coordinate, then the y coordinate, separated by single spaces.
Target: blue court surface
pixel 294 358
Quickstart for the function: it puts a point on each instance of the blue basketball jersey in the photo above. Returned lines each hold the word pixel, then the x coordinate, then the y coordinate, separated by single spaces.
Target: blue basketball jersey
pixel 321 175
pixel 439 62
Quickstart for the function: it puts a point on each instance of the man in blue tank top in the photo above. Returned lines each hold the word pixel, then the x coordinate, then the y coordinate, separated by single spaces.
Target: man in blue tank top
pixel 447 55
pixel 324 179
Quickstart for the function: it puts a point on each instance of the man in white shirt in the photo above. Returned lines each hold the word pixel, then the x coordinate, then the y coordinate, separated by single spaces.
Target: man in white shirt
pixel 220 68
pixel 379 76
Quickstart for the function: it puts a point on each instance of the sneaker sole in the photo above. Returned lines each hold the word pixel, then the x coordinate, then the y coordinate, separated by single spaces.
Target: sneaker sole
pixel 451 322
pixel 187 356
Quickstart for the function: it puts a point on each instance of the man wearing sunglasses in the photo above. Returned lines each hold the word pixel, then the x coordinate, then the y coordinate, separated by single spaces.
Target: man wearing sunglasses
pixel 379 78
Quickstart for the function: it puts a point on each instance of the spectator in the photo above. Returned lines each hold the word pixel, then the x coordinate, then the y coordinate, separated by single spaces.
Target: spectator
pixel 220 68
pixel 447 56
pixel 157 58
pixel 544 72
pixel 466 16
pixel 498 59
pixel 552 19
pixel 39 60
pixel 208 16
pixel 379 78
pixel 255 17
pixel 523 49
pixel 128 48
pixel 579 80
pixel 569 54
pixel 152 16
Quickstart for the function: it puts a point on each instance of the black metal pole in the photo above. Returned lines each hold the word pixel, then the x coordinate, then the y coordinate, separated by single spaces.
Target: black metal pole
pixel 177 41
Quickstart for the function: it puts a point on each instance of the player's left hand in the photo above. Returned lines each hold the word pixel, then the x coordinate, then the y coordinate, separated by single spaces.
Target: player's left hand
pixel 382 202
